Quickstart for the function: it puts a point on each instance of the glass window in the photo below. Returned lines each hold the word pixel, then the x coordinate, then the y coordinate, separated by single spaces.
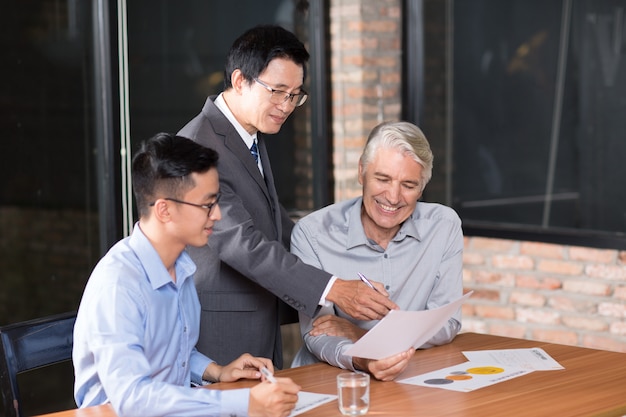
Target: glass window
pixel 56 216
pixel 49 215
pixel 176 60
pixel 537 118
pixel 48 202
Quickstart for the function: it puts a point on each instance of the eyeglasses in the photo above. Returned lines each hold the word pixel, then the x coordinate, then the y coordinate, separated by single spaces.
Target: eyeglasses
pixel 280 97
pixel 208 207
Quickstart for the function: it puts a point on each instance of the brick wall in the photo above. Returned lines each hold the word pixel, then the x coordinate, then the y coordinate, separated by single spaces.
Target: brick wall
pixel 563 294
pixel 366 60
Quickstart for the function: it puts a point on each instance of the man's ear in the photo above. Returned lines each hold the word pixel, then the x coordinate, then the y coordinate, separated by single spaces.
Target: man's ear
pixel 237 80
pixel 161 210
pixel 360 173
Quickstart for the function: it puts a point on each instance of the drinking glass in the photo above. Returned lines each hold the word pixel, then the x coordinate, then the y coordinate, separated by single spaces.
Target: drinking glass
pixel 354 393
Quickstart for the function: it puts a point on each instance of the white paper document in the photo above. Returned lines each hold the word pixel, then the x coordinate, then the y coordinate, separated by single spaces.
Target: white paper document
pixel 467 376
pixel 399 330
pixel 535 359
pixel 309 400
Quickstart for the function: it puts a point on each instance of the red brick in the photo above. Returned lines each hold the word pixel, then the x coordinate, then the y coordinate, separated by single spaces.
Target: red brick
pixel 618 328
pixel 467 310
pixel 508 330
pixel 380 26
pixel 612 310
pixel 604 342
pixel 342 9
pixel 531 315
pixel 612 272
pixel 353 60
pixel 564 337
pixel 578 253
pixel 476 326
pixel 587 287
pixel 487 277
pixel 496 312
pixel 620 292
pixel 496 245
pixel 353 45
pixel 564 303
pixel 560 267
pixel 585 323
pixel 527 299
pixel 544 250
pixel 528 281
pixel 512 262
pixel 485 295
pixel 395 12
pixel 390 77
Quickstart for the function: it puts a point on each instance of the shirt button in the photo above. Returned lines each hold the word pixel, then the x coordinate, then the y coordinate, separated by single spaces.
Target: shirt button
pixel 184 364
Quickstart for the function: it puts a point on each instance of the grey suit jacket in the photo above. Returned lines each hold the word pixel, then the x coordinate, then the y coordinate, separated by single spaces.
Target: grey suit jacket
pixel 246 269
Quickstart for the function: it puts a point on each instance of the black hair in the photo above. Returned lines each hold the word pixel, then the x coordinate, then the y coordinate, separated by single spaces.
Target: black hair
pixel 162 166
pixel 257 47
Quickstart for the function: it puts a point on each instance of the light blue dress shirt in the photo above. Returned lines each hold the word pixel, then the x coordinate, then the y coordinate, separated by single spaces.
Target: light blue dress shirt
pixel 421 267
pixel 135 336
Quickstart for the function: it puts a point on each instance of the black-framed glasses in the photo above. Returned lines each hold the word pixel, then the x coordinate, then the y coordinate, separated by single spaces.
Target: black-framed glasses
pixel 280 97
pixel 208 207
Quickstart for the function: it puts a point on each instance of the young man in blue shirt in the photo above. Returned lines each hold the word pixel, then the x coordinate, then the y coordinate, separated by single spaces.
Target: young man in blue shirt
pixel 139 318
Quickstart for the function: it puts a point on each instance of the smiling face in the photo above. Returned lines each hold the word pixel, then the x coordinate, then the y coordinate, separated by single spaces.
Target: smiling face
pixel 392 184
pixel 250 101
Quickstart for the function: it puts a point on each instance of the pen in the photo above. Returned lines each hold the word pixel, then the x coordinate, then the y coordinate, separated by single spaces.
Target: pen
pixel 367 281
pixel 268 375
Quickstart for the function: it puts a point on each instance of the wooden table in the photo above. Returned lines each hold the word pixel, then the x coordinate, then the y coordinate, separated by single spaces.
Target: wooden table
pixel 593 383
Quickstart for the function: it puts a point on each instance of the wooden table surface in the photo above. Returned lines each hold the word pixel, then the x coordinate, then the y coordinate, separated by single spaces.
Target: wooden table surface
pixel 593 383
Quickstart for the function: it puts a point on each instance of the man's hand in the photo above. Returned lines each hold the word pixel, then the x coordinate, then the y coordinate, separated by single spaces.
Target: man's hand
pixel 336 326
pixel 273 400
pixel 246 366
pixel 360 301
pixel 385 369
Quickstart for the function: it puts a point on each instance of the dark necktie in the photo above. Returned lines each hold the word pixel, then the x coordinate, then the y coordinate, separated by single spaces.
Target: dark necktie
pixel 255 152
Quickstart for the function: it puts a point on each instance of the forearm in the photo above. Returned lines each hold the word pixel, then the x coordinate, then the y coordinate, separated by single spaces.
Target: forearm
pixel 212 372
pixel 330 349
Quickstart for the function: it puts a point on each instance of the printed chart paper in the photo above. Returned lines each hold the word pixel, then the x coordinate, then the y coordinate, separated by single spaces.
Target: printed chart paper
pixel 309 400
pixel 399 330
pixel 535 359
pixel 467 376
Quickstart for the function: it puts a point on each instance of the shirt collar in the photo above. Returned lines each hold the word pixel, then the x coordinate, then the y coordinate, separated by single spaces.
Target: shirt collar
pixel 356 233
pixel 221 104
pixel 156 272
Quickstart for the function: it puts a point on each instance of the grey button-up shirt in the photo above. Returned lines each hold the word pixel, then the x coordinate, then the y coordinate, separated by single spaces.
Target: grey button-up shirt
pixel 421 267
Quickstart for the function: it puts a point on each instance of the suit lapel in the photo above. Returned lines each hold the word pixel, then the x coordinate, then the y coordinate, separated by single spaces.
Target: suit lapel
pixel 269 182
pixel 234 143
pixel 237 146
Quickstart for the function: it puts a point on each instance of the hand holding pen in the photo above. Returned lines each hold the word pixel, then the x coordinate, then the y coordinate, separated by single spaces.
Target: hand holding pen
pixel 368 282
pixel 276 398
pixel 360 303
pixel 268 375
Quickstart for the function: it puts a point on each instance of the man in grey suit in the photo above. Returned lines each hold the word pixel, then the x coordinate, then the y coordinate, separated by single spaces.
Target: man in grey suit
pixel 248 271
